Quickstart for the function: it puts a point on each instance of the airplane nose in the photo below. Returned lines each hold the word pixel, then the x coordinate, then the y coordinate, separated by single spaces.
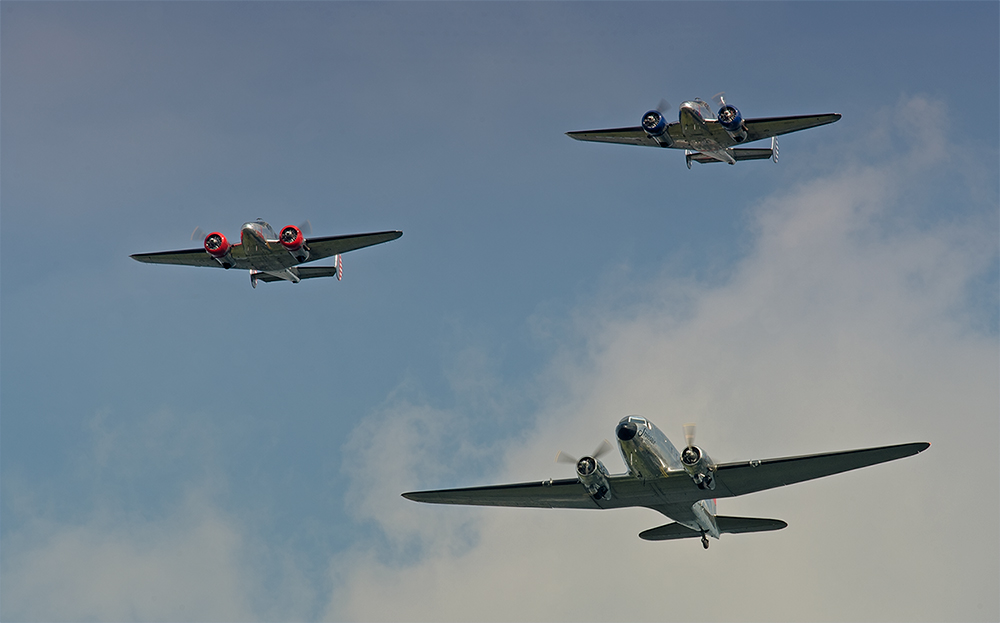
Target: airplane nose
pixel 627 430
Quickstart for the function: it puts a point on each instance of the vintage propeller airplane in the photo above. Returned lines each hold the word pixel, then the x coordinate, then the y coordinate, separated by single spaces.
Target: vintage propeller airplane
pixel 682 485
pixel 269 256
pixel 706 137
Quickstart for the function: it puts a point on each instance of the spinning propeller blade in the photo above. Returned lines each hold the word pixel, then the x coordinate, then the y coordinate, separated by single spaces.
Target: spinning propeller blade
pixel 689 435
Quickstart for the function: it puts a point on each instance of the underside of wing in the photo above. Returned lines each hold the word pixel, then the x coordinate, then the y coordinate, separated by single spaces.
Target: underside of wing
pixel 626 491
pixel 566 493
pixel 328 246
pixel 624 136
pixel 741 478
pixel 766 127
pixel 192 257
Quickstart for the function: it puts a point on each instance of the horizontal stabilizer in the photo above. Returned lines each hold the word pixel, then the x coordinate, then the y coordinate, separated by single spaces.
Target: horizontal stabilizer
pixel 727 525
pixel 744 153
pixel 304 272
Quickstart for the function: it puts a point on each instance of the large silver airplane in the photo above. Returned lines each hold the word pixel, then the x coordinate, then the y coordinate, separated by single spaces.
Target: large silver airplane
pixel 706 137
pixel 270 256
pixel 682 485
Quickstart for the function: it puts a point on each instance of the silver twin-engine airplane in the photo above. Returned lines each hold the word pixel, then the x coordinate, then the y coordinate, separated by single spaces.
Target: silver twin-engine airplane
pixel 270 256
pixel 706 137
pixel 682 485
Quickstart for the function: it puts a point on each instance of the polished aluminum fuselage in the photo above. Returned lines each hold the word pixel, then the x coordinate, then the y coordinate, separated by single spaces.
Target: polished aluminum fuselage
pixel 649 455
pixel 696 135
pixel 264 251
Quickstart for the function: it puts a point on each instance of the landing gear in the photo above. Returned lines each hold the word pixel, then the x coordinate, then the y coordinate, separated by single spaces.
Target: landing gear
pixel 704 541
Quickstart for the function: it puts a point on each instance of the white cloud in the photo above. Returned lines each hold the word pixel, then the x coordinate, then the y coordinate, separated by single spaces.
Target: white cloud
pixel 849 323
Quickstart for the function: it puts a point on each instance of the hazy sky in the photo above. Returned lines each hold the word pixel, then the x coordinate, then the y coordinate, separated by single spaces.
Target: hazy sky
pixel 178 446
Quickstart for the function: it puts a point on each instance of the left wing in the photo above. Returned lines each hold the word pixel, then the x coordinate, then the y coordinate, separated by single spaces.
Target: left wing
pixel 626 491
pixel 333 245
pixel 625 136
pixel 193 257
pixel 766 127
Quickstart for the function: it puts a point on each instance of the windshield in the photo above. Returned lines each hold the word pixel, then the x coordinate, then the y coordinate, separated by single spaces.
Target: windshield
pixel 262 228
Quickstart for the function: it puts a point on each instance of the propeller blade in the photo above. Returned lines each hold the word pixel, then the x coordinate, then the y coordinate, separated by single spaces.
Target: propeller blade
pixel 562 457
pixel 663 106
pixel 306 228
pixel 198 234
pixel 689 434
pixel 719 99
pixel 601 449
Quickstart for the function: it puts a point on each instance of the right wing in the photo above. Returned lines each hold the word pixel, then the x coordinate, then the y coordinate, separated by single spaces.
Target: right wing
pixel 625 136
pixel 327 246
pixel 193 257
pixel 766 127
pixel 741 478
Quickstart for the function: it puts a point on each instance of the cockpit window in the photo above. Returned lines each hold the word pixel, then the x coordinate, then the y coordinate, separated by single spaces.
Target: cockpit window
pixel 261 228
pixel 638 421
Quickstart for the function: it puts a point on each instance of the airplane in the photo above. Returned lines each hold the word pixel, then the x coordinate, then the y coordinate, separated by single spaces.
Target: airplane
pixel 269 256
pixel 706 137
pixel 683 485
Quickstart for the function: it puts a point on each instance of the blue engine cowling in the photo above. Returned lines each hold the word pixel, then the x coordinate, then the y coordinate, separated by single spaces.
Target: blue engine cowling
pixel 732 122
pixel 653 123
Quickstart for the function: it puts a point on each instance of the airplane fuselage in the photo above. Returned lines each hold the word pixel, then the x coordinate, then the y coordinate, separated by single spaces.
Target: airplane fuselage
pixel 264 251
pixel 650 456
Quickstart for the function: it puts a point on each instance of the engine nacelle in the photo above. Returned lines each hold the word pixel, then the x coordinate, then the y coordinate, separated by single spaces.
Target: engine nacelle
pixel 294 242
pixel 699 466
pixel 594 476
pixel 219 248
pixel 732 122
pixel 654 124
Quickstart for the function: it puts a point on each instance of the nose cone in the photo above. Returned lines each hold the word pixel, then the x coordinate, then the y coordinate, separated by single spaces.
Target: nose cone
pixel 626 430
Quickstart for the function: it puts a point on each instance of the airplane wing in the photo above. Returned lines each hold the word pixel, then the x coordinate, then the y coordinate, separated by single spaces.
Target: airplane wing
pixel 193 257
pixel 625 136
pixel 766 127
pixel 731 479
pixel 332 245
pixel 734 479
pixel 626 491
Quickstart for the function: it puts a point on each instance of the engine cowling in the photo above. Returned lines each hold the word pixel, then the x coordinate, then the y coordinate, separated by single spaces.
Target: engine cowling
pixel 732 122
pixel 594 476
pixel 294 242
pixel 219 248
pixel 654 124
pixel 699 466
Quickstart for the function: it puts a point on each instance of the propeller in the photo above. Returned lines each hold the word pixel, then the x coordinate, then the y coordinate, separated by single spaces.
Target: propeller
pixel 689 435
pixel 198 234
pixel 600 451
pixel 719 99
pixel 663 106
pixel 306 228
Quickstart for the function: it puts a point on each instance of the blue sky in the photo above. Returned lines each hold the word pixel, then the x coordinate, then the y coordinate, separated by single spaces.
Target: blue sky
pixel 179 446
